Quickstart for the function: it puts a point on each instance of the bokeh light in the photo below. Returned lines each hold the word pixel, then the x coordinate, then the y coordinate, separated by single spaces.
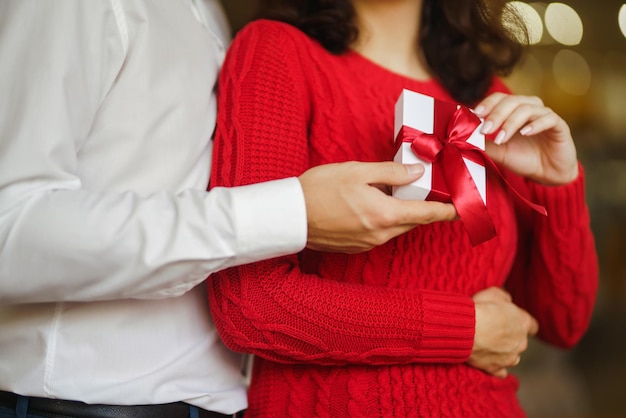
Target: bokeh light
pixel 564 24
pixel 531 18
pixel 571 72
pixel 622 19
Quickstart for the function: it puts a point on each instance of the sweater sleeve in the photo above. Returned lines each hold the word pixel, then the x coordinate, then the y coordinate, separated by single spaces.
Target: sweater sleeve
pixel 555 275
pixel 272 308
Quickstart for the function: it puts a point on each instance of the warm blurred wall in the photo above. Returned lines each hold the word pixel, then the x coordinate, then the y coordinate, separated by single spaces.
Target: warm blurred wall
pixel 588 88
pixel 239 11
pixel 586 84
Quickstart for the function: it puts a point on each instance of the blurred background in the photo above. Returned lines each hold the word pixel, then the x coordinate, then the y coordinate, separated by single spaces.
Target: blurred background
pixel 577 65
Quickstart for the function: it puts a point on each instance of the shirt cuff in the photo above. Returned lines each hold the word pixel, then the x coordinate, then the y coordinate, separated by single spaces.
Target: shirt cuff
pixel 270 219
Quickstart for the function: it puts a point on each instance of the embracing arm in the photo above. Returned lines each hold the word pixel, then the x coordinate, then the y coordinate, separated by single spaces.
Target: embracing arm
pixel 272 308
pixel 60 240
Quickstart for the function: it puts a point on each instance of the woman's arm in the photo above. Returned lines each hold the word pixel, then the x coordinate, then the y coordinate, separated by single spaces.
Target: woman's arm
pixel 555 276
pixel 272 308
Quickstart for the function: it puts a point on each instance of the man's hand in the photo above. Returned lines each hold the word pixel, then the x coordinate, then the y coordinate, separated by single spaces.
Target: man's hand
pixel 502 331
pixel 348 211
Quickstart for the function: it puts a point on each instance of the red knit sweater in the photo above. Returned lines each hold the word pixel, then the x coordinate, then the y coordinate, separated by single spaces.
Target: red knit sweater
pixel 385 333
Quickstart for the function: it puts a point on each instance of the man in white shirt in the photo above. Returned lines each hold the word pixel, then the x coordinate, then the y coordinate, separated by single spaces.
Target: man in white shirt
pixel 106 229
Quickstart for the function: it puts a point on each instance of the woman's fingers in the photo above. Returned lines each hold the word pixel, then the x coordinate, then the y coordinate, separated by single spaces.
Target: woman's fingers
pixel 545 121
pixel 507 114
pixel 501 333
pixel 489 103
pixel 519 119
pixel 492 294
pixel 530 325
pixel 498 103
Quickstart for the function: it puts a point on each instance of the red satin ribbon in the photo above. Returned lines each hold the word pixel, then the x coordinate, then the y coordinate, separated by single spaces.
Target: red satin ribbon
pixel 452 181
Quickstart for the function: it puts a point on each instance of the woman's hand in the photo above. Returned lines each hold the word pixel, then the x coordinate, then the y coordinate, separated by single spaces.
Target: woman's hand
pixel 502 331
pixel 531 140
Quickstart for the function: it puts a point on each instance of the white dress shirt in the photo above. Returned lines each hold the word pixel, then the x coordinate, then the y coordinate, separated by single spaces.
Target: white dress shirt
pixel 106 112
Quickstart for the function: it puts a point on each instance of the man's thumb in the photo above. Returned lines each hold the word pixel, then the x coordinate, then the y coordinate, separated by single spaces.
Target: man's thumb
pixel 395 174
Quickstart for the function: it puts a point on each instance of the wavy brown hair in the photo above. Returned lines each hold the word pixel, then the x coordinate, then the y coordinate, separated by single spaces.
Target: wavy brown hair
pixel 466 42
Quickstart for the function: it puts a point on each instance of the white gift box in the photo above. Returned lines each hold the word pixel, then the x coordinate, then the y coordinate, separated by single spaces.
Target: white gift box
pixel 417 111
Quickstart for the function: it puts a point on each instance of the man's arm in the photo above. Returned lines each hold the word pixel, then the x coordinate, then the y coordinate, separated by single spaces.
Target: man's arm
pixel 63 241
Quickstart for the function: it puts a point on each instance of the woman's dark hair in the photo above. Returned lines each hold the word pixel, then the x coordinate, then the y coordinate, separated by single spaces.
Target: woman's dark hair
pixel 466 42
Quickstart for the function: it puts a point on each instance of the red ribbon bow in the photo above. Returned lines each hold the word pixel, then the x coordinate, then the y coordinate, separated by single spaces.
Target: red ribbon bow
pixel 452 181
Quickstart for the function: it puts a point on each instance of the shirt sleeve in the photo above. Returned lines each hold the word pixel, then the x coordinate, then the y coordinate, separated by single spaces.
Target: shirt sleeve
pixel 61 242
pixel 272 308
pixel 555 273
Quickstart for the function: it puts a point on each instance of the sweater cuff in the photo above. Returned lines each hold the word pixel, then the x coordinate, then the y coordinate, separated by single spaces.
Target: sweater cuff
pixel 565 204
pixel 449 325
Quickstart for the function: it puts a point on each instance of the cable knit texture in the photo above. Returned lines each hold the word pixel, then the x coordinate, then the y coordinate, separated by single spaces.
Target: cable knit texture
pixel 385 333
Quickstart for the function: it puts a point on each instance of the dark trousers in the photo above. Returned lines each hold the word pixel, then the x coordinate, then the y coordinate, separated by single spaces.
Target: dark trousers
pixel 17 406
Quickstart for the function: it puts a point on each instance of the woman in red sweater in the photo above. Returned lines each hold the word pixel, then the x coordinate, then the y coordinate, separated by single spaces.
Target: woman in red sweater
pixel 418 326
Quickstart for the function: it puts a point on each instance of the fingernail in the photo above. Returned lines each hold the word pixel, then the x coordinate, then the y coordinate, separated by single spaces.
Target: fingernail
pixel 526 130
pixel 500 137
pixel 479 110
pixel 415 169
pixel 487 127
